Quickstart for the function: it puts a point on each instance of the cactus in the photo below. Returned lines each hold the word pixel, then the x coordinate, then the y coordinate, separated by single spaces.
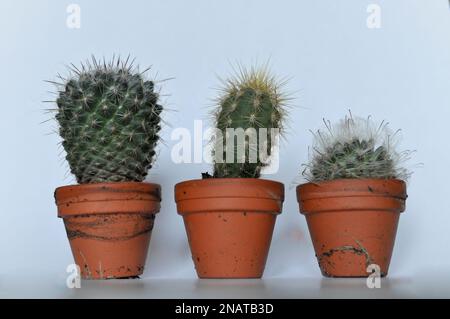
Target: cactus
pixel 251 99
pixel 356 148
pixel 109 119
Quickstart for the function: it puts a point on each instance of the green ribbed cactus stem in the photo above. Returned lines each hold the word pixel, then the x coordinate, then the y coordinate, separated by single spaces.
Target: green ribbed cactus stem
pixel 251 100
pixel 109 120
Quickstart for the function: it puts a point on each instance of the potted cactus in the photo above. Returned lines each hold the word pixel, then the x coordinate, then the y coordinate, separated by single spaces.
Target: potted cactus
pixel 109 119
pixel 230 215
pixel 354 197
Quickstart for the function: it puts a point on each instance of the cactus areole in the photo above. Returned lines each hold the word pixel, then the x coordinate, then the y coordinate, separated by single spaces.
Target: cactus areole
pixel 109 120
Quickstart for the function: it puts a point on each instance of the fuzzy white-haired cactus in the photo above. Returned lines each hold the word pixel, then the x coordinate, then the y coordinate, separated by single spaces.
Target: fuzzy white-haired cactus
pixel 356 148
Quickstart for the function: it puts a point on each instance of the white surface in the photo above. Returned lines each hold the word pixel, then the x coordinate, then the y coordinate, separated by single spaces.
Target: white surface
pixel 400 73
pixel 427 285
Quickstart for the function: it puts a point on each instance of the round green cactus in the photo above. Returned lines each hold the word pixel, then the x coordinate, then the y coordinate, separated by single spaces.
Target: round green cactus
pixel 252 99
pixel 109 119
pixel 355 148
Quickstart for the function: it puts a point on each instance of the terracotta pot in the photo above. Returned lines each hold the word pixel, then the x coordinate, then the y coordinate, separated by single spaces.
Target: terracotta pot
pixel 109 226
pixel 353 223
pixel 229 224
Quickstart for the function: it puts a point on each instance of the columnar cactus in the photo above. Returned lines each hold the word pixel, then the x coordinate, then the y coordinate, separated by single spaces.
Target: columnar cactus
pixel 355 148
pixel 252 99
pixel 109 119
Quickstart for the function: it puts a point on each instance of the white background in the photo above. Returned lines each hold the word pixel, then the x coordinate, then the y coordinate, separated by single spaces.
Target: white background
pixel 399 72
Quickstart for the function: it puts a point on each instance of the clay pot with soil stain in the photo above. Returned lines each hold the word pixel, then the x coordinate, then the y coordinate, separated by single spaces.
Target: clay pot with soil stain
pixel 109 226
pixel 229 224
pixel 352 223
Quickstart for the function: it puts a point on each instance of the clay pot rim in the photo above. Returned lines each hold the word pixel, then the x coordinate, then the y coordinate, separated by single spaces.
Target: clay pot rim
pixel 367 194
pixel 255 195
pixel 108 198
pixel 333 184
pixel 131 186
pixel 231 181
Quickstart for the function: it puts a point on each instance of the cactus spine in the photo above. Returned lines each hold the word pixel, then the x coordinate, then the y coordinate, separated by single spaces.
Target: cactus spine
pixel 109 119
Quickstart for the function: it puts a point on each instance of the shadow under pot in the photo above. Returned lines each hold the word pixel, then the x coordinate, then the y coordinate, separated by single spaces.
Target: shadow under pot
pixel 109 226
pixel 229 224
pixel 353 223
